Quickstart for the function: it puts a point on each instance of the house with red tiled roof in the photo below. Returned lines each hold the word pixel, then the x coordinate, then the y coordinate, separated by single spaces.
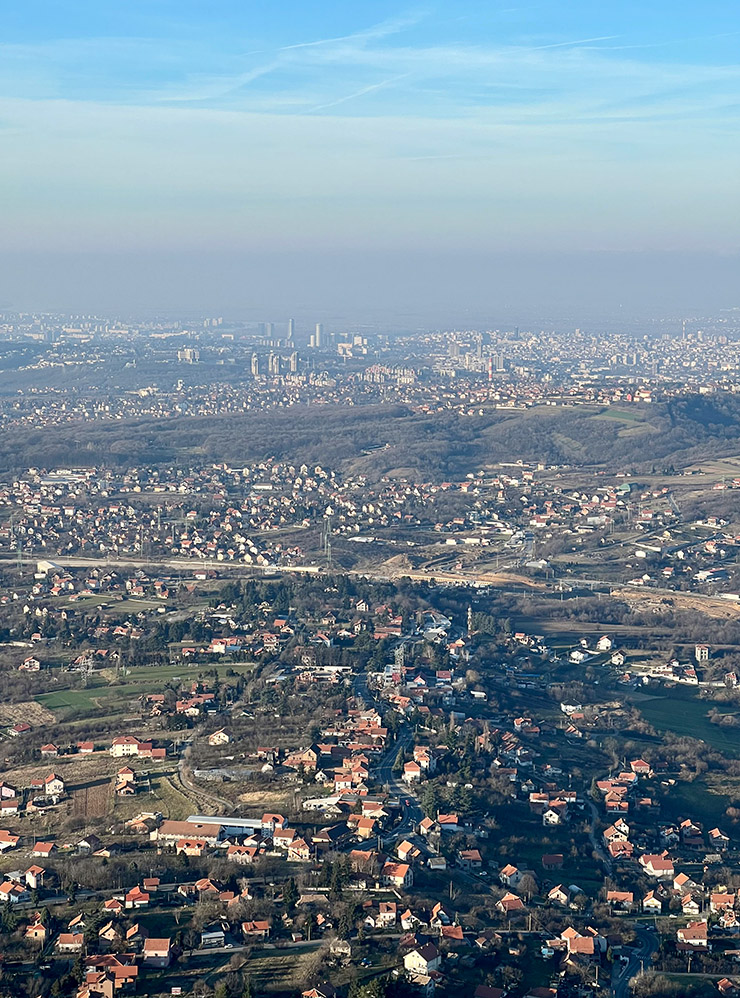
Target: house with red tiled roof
pixel 510 903
pixel 157 952
pixel 36 932
pixel 136 898
pixel 34 877
pixel 43 850
pixel 694 936
pixel 658 866
pixel 396 875
pixel 70 942
pixel 12 891
pixel 257 929
pixel 8 840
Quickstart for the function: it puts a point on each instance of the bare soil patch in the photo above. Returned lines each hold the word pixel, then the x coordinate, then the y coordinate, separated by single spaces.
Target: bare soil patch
pixel 29 711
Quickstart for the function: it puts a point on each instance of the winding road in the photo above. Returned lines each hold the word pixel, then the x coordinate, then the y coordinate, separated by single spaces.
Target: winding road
pixel 640 958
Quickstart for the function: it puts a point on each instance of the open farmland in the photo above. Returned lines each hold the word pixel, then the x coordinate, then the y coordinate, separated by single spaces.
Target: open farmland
pixel 94 800
pixel 37 714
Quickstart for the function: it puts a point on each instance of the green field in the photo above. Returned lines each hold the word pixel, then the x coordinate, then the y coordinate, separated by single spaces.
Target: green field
pixel 680 710
pixel 627 417
pixel 122 693
pixel 78 699
pixel 695 799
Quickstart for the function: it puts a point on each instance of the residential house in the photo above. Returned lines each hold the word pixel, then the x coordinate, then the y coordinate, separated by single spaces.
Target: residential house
pixel 157 952
pixel 34 877
pixel 191 847
pixel 448 823
pixel 620 901
pixel 659 867
pixel 510 904
pixel 424 959
pixel 70 942
pixel 109 935
pixel 36 931
pixel 651 904
pixel 12 891
pixel 136 898
pixel 43 850
pixel 559 895
pixel 694 936
pixel 510 876
pixel 411 772
pixel 718 840
pixel 719 903
pixel 469 859
pixel 258 929
pixel 324 990
pixel 396 875
pixel 8 840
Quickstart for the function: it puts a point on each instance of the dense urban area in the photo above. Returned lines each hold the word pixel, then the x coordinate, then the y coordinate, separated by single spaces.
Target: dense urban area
pixel 349 664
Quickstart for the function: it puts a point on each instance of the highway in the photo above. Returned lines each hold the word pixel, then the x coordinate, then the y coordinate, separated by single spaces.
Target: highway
pixel 192 565
pixel 506 581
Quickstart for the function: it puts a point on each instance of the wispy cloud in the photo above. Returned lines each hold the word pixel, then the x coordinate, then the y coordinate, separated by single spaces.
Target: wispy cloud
pixel 497 75
pixel 384 29
pixel 573 43
pixel 359 93
pixel 289 58
pixel 420 110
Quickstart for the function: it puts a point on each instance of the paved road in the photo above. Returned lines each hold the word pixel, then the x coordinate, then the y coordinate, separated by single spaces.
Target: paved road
pixel 595 844
pixel 639 961
pixel 411 813
pixel 499 580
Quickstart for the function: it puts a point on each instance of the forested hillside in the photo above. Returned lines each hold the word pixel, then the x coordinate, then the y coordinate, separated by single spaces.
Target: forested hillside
pixel 378 440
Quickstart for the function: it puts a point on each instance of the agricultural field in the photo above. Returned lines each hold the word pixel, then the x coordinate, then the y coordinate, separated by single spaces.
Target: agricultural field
pixel 81 769
pixel 282 971
pixel 165 797
pixel 33 712
pixel 79 700
pixel 92 800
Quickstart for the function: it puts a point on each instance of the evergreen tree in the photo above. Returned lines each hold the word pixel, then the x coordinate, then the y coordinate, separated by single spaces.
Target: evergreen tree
pixel 291 895
pixel 430 800
pixel 335 884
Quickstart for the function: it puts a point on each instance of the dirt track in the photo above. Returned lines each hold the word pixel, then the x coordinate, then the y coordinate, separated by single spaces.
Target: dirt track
pixel 497 579
pixel 644 599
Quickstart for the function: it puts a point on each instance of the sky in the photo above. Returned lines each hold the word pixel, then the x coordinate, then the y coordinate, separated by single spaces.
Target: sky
pixel 378 157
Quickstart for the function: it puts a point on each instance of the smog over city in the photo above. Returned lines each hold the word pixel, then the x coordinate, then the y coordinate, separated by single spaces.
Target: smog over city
pixel 370 499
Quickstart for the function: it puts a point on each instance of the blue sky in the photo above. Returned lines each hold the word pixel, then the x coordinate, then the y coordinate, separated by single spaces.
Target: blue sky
pixel 475 125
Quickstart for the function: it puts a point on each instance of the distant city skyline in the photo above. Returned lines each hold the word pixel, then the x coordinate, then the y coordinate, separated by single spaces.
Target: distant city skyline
pixel 425 158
